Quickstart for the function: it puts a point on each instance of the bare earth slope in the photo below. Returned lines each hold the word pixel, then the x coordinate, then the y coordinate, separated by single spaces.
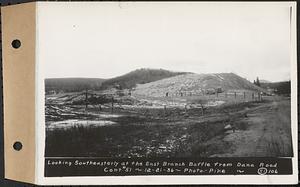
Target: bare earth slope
pixel 196 83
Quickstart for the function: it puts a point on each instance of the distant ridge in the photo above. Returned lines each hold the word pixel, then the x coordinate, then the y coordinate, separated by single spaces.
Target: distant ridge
pixel 196 83
pixel 283 87
pixel 264 81
pixel 154 82
pixel 72 84
pixel 129 80
pixel 139 76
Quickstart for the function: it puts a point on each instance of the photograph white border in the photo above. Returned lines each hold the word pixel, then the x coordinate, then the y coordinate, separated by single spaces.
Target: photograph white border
pixel 161 179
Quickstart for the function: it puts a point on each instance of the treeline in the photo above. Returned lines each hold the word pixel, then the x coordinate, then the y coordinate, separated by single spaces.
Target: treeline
pixel 139 76
pixel 72 84
pixel 282 88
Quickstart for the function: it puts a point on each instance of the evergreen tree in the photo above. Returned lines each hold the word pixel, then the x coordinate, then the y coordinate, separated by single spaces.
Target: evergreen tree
pixel 257 81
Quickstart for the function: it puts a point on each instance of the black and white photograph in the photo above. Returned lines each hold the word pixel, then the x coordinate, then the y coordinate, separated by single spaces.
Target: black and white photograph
pixel 167 80
pixel 149 93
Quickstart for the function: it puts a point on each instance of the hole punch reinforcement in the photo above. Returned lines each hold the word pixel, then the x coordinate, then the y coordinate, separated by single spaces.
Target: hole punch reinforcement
pixel 17 146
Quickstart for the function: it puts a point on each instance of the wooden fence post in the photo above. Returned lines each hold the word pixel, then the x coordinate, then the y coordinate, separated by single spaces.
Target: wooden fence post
pixel 86 99
pixel 244 95
pixel 112 104
pixel 235 95
pixel 260 96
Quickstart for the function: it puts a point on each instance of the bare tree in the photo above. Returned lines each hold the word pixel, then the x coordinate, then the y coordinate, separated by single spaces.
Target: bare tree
pixel 202 103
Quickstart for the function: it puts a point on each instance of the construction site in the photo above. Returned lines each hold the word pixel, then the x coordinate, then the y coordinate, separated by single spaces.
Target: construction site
pixel 186 115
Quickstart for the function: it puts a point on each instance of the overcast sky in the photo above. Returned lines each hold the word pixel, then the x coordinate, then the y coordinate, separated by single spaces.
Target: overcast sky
pixel 104 40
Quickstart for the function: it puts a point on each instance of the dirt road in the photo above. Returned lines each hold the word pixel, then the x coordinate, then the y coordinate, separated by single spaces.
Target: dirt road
pixel 268 133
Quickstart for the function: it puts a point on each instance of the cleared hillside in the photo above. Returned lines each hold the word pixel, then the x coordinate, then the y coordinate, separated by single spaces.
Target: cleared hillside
pixel 139 76
pixel 72 84
pixel 196 83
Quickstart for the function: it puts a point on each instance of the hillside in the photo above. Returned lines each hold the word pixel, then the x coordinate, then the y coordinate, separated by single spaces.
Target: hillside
pixel 72 84
pixel 196 83
pixel 139 76
pixel 280 87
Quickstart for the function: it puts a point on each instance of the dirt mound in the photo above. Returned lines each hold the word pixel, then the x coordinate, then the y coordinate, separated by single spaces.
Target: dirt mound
pixel 196 83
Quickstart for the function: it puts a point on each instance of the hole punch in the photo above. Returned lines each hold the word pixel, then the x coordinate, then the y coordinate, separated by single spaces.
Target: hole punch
pixel 17 146
pixel 16 44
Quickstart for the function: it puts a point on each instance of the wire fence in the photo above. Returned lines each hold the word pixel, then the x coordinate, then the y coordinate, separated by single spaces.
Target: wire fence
pixel 246 95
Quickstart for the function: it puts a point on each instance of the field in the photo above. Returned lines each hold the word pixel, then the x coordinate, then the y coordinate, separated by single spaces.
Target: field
pixel 218 125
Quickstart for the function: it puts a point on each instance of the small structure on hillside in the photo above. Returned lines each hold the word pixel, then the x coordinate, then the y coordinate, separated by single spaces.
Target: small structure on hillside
pixel 210 91
pixel 271 91
pixel 219 90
